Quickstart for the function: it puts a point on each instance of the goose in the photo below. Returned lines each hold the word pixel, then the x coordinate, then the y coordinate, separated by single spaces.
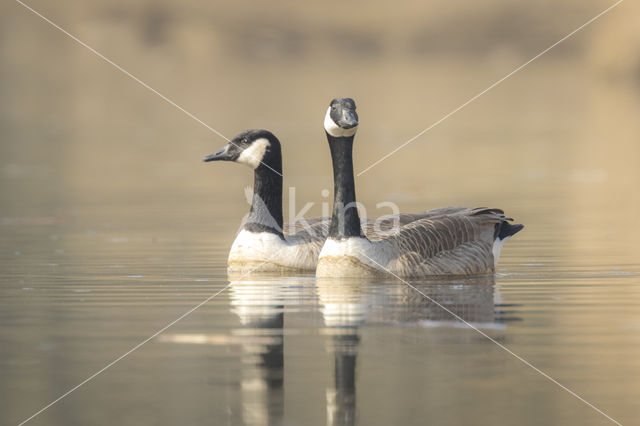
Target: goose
pixel 449 241
pixel 264 244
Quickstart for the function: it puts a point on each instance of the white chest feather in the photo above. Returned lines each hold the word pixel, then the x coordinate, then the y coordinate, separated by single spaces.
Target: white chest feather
pixel 345 247
pixel 253 245
pixel 267 251
pixel 355 256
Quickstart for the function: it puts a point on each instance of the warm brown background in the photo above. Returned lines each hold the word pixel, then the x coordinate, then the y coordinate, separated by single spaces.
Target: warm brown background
pixel 84 147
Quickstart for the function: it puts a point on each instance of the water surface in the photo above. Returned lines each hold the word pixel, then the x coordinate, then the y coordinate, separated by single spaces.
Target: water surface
pixel 111 227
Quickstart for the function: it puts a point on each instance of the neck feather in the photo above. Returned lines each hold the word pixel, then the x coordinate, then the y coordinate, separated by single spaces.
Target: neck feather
pixel 345 221
pixel 266 206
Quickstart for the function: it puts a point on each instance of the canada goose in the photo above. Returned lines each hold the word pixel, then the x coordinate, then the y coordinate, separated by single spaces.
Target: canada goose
pixel 264 244
pixel 445 241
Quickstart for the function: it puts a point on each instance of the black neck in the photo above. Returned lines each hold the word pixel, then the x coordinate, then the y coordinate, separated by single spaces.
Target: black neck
pixel 345 221
pixel 266 207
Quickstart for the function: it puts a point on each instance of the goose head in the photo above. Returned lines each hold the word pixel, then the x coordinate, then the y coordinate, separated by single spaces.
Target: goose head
pixel 341 119
pixel 256 148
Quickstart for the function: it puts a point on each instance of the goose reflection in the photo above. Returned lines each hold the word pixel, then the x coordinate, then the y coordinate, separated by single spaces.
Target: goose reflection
pixel 349 304
pixel 258 302
pixel 347 307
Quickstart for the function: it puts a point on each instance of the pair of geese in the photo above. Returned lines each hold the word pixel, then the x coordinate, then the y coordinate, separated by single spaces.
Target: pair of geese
pixel 441 242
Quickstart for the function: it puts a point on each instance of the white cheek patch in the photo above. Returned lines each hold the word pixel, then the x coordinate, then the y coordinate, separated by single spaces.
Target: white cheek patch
pixel 334 130
pixel 254 153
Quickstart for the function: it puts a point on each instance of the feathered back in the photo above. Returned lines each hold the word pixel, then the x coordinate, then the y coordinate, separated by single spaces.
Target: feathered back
pixel 449 241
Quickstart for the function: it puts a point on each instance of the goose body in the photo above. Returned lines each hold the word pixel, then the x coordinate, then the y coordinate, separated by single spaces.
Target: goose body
pixel 462 242
pixel 295 250
pixel 441 242
pixel 265 243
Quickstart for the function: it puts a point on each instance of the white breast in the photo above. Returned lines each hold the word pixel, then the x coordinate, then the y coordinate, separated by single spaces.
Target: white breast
pixel 354 256
pixel 254 245
pixel 345 247
pixel 267 251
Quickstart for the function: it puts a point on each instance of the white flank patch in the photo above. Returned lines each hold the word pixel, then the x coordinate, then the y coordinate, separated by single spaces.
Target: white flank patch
pixel 254 153
pixel 497 247
pixel 334 130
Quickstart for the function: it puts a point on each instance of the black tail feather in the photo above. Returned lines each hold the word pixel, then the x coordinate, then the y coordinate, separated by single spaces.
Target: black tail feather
pixel 505 229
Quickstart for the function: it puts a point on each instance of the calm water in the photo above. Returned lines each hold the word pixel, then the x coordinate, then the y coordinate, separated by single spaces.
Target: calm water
pixel 111 228
pixel 295 350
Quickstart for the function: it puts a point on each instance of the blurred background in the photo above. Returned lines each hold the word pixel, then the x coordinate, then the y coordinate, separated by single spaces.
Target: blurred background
pixel 76 130
pixel 96 170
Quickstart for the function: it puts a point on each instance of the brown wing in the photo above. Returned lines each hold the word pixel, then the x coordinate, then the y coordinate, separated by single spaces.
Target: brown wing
pixel 386 226
pixel 454 242
pixel 316 228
